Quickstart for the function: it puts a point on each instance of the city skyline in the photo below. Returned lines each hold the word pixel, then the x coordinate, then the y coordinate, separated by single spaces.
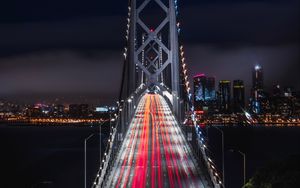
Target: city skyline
pixel 67 53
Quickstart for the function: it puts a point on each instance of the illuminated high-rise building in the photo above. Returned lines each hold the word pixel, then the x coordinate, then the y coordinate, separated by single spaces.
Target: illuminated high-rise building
pixel 257 89
pixel 224 96
pixel 211 102
pixel 257 78
pixel 238 95
pixel 199 91
pixel 210 93
pixel 276 90
pixel 204 92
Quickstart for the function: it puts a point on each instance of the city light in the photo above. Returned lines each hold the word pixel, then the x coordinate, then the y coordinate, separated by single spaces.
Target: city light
pixel 159 126
pixel 257 67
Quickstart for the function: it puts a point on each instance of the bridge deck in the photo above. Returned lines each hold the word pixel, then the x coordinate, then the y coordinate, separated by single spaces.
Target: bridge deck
pixel 154 152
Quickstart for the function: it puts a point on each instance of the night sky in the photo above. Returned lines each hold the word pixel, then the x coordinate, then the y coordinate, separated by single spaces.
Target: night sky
pixel 74 47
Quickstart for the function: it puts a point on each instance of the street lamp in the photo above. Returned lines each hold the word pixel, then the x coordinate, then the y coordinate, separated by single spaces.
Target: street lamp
pixel 223 159
pixel 130 102
pixel 85 140
pixel 244 159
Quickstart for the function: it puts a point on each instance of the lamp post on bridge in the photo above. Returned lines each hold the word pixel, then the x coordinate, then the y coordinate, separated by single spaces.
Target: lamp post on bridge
pixel 244 162
pixel 223 157
pixel 129 108
pixel 85 142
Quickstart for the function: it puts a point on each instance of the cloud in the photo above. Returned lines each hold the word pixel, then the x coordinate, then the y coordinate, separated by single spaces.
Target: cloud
pixel 62 72
pixel 280 63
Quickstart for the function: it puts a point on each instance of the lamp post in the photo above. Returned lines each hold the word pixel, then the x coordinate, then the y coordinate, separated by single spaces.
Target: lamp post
pixel 110 129
pixel 244 161
pixel 85 141
pixel 100 141
pixel 223 158
pixel 129 110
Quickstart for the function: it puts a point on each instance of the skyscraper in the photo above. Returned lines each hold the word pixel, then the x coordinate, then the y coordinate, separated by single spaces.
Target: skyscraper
pixel 210 93
pixel 224 96
pixel 257 89
pixel 257 78
pixel 204 92
pixel 199 91
pixel 238 95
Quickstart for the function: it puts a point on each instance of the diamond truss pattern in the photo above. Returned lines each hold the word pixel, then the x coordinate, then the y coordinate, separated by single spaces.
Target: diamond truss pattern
pixel 152 45
pixel 153 52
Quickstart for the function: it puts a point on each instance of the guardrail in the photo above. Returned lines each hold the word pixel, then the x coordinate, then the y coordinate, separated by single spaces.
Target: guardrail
pixel 200 145
pixel 118 131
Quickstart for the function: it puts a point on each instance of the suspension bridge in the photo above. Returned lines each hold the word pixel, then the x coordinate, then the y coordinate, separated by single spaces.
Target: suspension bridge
pixel 155 141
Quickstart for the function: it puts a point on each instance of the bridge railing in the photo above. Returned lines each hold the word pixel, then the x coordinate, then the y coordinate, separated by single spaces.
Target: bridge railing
pixel 119 126
pixel 197 140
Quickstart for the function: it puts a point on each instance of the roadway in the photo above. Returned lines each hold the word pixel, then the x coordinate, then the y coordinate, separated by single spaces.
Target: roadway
pixel 154 152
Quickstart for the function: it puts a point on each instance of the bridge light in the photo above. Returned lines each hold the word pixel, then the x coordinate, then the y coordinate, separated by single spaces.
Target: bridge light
pixel 129 100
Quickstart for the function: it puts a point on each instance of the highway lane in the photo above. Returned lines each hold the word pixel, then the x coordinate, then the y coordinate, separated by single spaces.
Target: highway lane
pixel 154 152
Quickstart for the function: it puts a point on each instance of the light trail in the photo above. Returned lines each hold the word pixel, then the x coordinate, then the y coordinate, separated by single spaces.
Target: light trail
pixel 154 152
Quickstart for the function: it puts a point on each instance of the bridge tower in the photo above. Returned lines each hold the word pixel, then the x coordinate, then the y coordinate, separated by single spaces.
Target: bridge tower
pixel 152 52
pixel 154 63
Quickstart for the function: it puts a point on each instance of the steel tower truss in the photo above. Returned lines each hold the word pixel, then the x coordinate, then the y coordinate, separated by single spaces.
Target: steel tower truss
pixel 152 54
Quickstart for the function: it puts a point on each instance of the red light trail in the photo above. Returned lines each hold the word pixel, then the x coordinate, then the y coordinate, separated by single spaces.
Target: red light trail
pixel 154 152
